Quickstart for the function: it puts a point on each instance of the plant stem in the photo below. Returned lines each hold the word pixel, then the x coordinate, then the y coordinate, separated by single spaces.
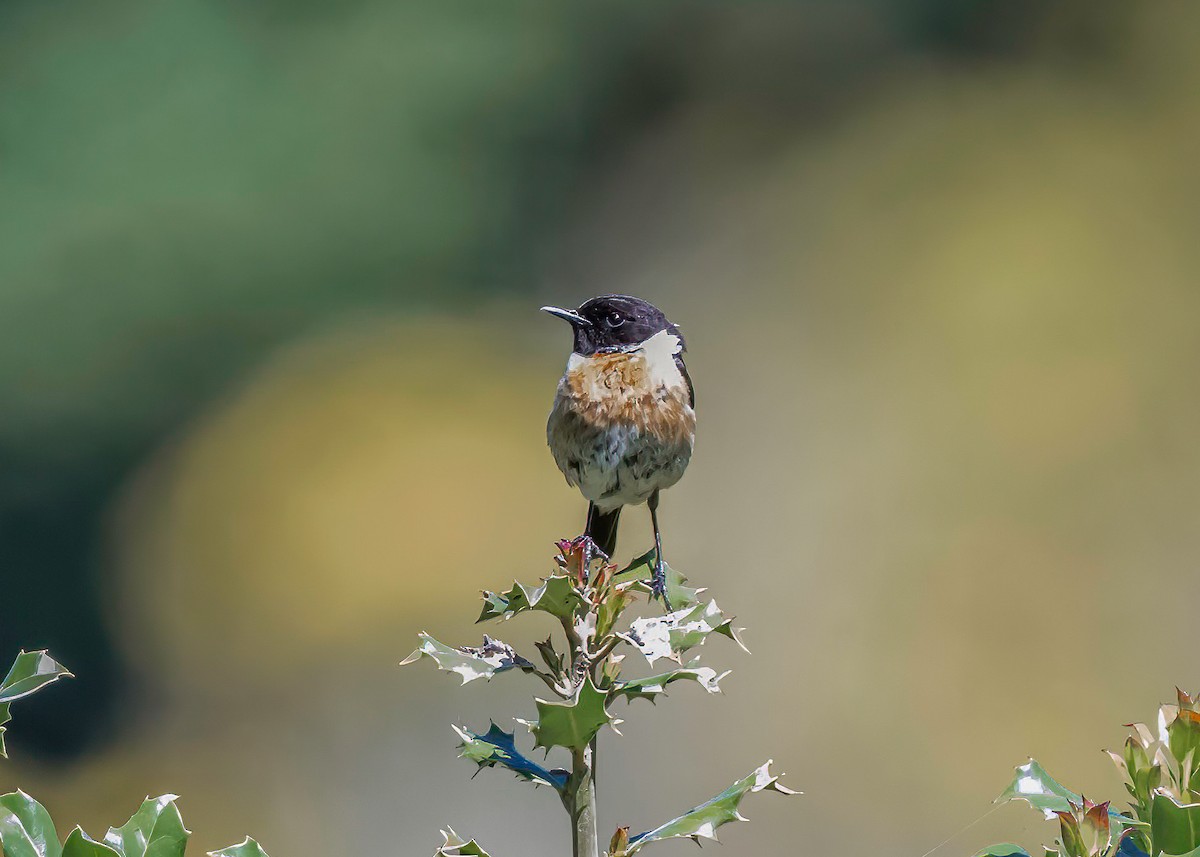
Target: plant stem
pixel 579 797
pixel 580 802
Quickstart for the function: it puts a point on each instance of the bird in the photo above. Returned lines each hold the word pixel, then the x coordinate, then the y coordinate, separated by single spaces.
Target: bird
pixel 623 423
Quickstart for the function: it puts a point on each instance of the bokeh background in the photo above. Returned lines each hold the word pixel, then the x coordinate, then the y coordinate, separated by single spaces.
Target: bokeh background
pixel 273 389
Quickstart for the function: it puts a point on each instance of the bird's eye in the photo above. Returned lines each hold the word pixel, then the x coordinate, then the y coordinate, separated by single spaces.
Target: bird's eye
pixel 615 319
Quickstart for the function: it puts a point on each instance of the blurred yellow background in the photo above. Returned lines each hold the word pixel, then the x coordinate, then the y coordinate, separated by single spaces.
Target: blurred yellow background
pixel 274 389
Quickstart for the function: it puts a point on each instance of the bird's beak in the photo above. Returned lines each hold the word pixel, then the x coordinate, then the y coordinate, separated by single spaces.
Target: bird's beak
pixel 567 315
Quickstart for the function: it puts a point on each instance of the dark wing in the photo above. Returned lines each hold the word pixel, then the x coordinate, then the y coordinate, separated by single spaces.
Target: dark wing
pixel 602 528
pixel 684 372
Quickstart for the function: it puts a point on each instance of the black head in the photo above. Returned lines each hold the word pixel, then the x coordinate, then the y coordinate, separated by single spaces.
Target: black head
pixel 613 322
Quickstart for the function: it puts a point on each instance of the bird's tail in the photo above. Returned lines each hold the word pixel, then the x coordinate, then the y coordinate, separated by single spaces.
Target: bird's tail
pixel 602 528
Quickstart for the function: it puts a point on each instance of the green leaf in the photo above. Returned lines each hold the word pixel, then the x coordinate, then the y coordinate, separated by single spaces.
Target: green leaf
pixel 571 723
pixel 1195 853
pixel 247 848
pixel 14 838
pixel 1143 782
pixel 455 846
pixel 38 825
pixel 30 672
pixel 1070 835
pixel 1174 828
pixel 703 821
pixel 469 663
pixel 498 747
pixel 155 830
pixel 1040 790
pixel 1119 824
pixel 1033 785
pixel 552 658
pixel 651 687
pixel 1003 849
pixel 1183 735
pixel 612 603
pixel 679 594
pixel 557 595
pixel 79 844
pixel 671 635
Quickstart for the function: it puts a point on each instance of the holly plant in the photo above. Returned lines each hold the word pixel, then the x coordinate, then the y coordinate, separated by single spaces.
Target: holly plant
pixel 586 674
pixel 26 828
pixel 1161 772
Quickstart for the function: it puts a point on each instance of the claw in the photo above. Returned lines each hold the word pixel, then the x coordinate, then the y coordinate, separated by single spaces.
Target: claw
pixel 658 584
pixel 578 554
pixel 591 551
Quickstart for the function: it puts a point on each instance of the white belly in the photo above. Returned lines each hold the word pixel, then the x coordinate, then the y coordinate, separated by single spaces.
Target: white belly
pixel 617 466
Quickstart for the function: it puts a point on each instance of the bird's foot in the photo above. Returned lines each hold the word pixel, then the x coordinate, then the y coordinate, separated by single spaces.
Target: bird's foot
pixel 591 553
pixel 593 550
pixel 658 583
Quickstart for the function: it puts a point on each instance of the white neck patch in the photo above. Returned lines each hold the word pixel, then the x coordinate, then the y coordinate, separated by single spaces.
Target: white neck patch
pixel 659 353
pixel 660 350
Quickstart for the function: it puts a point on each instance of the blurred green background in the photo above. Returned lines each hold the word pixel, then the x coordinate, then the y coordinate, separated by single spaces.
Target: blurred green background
pixel 273 389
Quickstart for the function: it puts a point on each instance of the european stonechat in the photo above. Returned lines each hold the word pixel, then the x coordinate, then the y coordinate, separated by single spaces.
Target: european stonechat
pixel 623 422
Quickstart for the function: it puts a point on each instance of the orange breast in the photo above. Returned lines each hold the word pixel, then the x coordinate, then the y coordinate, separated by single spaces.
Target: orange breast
pixel 607 389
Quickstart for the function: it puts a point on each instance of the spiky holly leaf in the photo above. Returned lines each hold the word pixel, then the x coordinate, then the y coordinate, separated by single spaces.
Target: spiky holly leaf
pixel 654 686
pixel 1033 785
pixel 35 823
pixel 703 821
pixel 30 672
pixel 1174 827
pixel 468 662
pixel 1040 790
pixel 573 722
pixel 155 830
pixel 497 747
pixel 671 635
pixel 456 846
pixel 1003 849
pixel 679 594
pixel 557 595
pixel 14 839
pixel 247 848
pixel 79 844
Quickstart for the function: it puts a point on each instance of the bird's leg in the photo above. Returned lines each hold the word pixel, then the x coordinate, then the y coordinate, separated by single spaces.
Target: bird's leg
pixel 591 550
pixel 658 580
